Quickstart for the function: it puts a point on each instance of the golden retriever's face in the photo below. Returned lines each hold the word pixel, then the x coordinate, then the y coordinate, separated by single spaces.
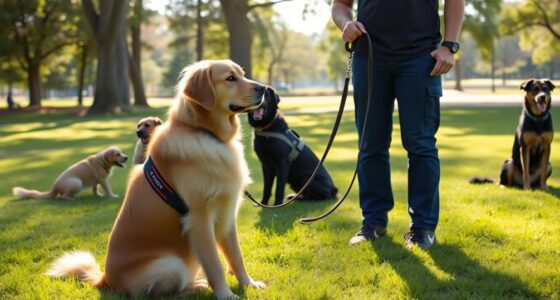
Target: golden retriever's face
pixel 221 85
pixel 114 156
pixel 145 128
pixel 537 97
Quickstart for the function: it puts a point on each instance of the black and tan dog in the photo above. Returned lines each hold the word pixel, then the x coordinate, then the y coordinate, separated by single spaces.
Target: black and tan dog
pixel 284 155
pixel 144 130
pixel 529 165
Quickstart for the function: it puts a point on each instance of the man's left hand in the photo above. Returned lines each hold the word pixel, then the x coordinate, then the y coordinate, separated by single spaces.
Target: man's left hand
pixel 444 61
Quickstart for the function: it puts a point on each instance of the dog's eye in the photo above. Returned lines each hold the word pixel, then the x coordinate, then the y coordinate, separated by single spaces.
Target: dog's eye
pixel 148 125
pixel 231 78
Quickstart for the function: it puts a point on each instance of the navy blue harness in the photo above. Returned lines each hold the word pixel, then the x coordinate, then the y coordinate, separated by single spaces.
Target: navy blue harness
pixel 162 188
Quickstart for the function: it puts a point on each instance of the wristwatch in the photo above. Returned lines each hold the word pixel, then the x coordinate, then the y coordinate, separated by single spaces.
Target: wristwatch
pixel 452 46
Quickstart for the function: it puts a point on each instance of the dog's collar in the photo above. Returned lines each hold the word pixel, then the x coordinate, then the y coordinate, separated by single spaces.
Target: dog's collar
pixel 540 118
pixel 162 188
pixel 265 127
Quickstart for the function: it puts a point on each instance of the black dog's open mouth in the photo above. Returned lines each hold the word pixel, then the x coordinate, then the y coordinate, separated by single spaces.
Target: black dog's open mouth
pixel 258 113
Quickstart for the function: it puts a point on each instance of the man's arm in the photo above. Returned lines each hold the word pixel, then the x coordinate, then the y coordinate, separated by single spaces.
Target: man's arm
pixel 341 12
pixel 453 12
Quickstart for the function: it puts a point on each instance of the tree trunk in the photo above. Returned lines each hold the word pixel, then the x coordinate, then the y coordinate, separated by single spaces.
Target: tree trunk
pixel 34 81
pixel 135 61
pixel 199 32
pixel 458 77
pixel 239 28
pixel 112 79
pixel 83 62
pixel 493 70
pixel 122 70
pixel 106 97
pixel 137 84
pixel 270 71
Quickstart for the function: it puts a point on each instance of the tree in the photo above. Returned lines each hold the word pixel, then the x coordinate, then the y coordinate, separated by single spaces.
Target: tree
pixel 112 80
pixel 481 22
pixel 535 21
pixel 236 14
pixel 139 15
pixel 333 46
pixel 37 30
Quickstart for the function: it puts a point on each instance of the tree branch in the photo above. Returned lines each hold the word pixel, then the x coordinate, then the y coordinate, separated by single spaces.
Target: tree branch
pixel 546 20
pixel 266 4
pixel 56 48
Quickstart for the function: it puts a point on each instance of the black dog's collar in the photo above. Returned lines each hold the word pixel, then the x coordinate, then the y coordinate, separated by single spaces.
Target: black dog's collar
pixel 265 127
pixel 162 188
pixel 540 118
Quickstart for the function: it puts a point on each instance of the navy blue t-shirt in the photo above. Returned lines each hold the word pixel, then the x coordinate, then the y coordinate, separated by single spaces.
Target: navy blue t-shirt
pixel 399 29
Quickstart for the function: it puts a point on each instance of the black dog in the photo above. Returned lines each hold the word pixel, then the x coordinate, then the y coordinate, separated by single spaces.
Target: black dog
pixel 529 165
pixel 283 155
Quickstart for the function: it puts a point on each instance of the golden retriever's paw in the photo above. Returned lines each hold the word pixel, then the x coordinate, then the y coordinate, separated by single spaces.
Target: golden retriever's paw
pixel 199 285
pixel 257 284
pixel 225 294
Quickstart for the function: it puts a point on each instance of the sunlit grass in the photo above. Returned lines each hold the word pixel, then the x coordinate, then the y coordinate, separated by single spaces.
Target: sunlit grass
pixel 493 243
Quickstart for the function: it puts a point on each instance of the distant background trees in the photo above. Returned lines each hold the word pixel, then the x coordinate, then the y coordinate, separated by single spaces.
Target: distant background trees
pixel 113 49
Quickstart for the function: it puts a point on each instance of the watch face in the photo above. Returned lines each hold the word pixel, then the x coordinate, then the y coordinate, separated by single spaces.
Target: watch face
pixel 455 47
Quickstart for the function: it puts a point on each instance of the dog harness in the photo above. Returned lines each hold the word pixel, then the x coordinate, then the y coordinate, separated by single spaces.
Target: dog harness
pixel 290 137
pixel 162 188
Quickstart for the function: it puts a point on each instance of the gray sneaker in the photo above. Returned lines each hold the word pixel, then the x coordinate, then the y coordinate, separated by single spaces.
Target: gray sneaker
pixel 422 238
pixel 368 232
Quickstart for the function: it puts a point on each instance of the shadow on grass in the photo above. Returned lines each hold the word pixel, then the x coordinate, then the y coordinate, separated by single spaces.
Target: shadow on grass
pixel 281 220
pixel 468 278
pixel 554 191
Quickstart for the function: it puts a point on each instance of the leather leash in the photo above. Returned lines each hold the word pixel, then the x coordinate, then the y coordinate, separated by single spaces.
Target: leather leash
pixel 350 49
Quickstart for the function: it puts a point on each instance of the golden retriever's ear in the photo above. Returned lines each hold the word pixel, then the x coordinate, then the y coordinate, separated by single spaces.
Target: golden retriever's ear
pixel 199 88
pixel 158 121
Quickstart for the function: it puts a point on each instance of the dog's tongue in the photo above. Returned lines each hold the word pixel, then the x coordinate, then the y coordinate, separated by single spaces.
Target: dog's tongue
pixel 541 107
pixel 258 114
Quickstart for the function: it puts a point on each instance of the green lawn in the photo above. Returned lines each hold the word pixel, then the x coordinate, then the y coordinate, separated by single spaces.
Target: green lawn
pixel 493 243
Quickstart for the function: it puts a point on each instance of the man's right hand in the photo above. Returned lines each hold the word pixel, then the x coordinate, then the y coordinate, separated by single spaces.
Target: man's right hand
pixel 352 30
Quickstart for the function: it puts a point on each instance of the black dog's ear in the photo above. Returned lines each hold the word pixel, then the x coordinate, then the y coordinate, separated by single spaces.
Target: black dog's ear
pixel 272 95
pixel 549 84
pixel 527 84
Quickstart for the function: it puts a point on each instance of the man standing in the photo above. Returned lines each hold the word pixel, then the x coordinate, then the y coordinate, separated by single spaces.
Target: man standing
pixel 408 60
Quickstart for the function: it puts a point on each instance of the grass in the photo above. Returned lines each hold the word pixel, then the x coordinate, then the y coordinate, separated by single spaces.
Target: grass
pixel 493 243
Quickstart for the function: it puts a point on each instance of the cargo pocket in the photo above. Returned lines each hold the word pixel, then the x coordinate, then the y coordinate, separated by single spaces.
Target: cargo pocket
pixel 432 108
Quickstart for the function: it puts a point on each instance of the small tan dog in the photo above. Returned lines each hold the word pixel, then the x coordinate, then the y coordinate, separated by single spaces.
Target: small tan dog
pixel 175 217
pixel 89 172
pixel 144 131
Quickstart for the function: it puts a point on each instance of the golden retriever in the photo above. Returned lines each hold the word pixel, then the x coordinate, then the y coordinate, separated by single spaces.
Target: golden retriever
pixel 144 131
pixel 92 171
pixel 153 249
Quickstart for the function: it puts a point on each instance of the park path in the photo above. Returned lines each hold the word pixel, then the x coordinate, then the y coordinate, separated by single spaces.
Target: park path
pixel 450 98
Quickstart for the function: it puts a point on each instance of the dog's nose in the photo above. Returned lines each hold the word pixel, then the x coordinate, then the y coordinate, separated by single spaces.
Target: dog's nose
pixel 125 158
pixel 259 88
pixel 541 98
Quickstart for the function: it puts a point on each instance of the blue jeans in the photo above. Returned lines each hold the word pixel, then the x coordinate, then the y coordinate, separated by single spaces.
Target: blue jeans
pixel 417 95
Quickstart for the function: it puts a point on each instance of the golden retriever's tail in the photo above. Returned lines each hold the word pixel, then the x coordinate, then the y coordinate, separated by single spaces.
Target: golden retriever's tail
pixel 80 264
pixel 22 193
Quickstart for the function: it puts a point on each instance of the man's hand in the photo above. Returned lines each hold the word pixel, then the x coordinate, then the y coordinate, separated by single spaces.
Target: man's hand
pixel 444 61
pixel 352 30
